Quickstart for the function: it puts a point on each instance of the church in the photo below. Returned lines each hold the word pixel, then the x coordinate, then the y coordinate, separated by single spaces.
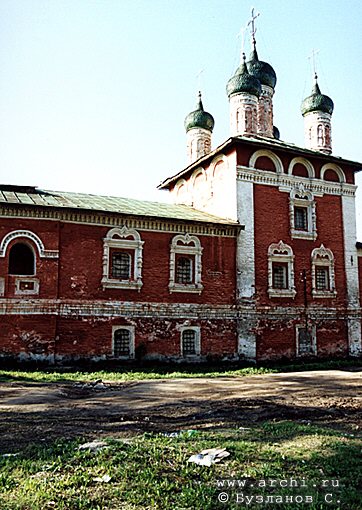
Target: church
pixel 256 259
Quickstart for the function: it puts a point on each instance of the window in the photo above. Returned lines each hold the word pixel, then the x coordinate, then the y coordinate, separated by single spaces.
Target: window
pixel 184 270
pixel 306 340
pixel 280 276
pixel 123 342
pixel 21 260
pixel 122 259
pixel 185 264
pixel 302 212
pixel 121 265
pixel 280 270
pixel 190 341
pixel 301 218
pixel 323 278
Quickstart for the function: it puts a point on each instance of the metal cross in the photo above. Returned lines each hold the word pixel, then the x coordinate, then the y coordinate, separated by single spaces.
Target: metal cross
pixel 252 23
pixel 313 58
pixel 198 77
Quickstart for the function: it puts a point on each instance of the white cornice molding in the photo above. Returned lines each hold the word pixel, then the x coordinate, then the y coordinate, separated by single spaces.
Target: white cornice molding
pixel 287 182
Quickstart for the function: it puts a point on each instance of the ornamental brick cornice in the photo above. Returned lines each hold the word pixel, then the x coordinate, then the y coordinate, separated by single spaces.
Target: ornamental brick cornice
pixel 142 223
pixel 287 182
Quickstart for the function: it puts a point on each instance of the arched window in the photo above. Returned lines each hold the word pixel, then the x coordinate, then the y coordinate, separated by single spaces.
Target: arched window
pixel 190 341
pixel 21 260
pixel 123 342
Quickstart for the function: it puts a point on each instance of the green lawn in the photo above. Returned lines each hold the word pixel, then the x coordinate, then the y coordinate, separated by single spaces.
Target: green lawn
pixel 151 471
pixel 162 372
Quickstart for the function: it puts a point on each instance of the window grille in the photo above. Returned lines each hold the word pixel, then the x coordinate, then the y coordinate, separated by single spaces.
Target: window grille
pixel 280 280
pixel 122 339
pixel 121 266
pixel 184 270
pixel 301 218
pixel 188 342
pixel 322 278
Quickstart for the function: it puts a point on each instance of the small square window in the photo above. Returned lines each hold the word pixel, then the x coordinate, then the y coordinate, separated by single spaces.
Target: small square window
pixel 121 265
pixel 301 218
pixel 122 343
pixel 322 278
pixel 280 276
pixel 184 270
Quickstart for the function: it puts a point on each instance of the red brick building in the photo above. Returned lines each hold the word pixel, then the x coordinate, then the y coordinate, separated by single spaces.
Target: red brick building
pixel 256 260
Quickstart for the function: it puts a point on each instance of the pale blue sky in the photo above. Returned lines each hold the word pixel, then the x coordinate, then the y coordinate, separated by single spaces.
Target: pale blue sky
pixel 93 94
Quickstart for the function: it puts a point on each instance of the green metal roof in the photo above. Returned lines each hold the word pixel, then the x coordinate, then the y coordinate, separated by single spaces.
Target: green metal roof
pixel 32 196
pixel 199 118
pixel 244 82
pixel 317 102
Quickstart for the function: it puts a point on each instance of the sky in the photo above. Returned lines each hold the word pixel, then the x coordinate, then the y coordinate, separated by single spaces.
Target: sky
pixel 93 93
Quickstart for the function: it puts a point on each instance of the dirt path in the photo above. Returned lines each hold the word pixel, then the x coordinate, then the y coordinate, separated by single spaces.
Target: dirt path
pixel 43 412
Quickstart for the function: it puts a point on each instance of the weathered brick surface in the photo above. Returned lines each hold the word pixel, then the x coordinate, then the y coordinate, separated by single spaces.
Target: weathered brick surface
pixel 153 336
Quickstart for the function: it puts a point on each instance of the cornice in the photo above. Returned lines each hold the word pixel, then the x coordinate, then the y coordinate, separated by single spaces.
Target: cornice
pixel 287 182
pixel 145 224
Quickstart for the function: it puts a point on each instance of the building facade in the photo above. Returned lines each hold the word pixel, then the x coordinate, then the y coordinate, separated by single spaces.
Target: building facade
pixel 257 259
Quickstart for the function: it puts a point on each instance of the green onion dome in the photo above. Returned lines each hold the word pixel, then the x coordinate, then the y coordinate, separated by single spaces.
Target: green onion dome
pixel 261 70
pixel 199 118
pixel 243 81
pixel 317 102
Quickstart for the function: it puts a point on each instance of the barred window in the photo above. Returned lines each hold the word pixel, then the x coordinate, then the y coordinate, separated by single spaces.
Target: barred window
pixel 280 276
pixel 121 265
pixel 122 343
pixel 301 218
pixel 188 342
pixel 184 270
pixel 322 278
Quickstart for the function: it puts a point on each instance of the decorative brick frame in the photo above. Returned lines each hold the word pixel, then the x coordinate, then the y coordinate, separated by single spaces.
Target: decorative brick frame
pixel 300 197
pixel 118 238
pixel 323 257
pixel 186 245
pixel 281 253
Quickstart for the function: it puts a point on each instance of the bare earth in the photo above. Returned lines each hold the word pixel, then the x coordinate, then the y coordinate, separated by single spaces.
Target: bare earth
pixel 34 412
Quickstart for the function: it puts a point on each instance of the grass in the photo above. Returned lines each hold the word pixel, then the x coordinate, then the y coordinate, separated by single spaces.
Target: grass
pixel 162 372
pixel 151 471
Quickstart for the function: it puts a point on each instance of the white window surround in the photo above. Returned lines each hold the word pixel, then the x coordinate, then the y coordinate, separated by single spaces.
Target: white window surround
pixel 186 245
pixel 299 197
pixel 2 286
pixel 336 168
pixel 323 257
pixel 118 238
pixel 197 341
pixel 302 161
pixel 267 154
pixel 27 234
pixel 131 329
pixel 30 286
pixel 283 254
pixel 312 330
